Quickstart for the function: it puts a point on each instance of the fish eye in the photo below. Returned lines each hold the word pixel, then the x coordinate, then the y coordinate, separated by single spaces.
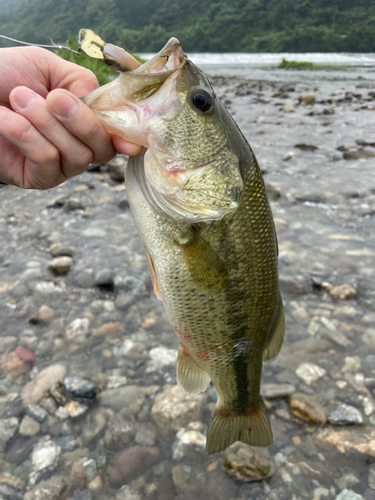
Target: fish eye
pixel 201 99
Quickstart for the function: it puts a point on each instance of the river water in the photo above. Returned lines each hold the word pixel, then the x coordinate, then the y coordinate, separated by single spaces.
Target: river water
pixel 121 429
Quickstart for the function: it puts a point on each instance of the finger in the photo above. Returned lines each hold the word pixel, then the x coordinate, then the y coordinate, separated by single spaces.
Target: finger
pixel 81 122
pixel 41 166
pixel 124 147
pixel 74 155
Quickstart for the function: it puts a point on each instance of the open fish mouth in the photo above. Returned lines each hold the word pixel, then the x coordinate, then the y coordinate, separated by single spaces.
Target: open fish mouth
pixel 170 58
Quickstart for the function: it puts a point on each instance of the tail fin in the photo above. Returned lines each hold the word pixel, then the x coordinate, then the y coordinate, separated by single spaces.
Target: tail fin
pixel 252 428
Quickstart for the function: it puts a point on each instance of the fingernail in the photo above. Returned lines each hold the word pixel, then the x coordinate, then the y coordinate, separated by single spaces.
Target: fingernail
pixel 65 106
pixel 24 97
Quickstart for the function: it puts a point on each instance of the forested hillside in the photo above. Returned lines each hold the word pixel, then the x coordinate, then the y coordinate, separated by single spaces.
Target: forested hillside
pixel 203 25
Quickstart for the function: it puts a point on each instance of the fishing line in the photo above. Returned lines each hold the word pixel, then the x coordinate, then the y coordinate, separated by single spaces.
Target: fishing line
pixel 53 46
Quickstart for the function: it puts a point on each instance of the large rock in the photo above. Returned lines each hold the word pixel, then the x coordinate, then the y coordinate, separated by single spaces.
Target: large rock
pixel 173 408
pixel 40 386
pixel 131 463
pixel 247 463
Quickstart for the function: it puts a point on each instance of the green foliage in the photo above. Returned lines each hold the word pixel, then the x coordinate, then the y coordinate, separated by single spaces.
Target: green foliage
pixel 203 25
pixel 306 65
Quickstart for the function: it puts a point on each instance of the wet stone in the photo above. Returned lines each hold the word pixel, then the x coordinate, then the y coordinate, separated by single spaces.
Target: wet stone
pixel 60 250
pixel 44 315
pixel 77 330
pixel 247 463
pixel 94 428
pixel 369 337
pixel 72 409
pixel 307 409
pixel 66 443
pixel 161 357
pixel 273 391
pixel 146 434
pixel 119 433
pixel 37 413
pixel 345 415
pixel 187 443
pixel 131 463
pixel 7 492
pixel 116 168
pixel 348 440
pixel 129 398
pixel 51 489
pixel 174 409
pixel 8 428
pixel 310 372
pixel 79 388
pixel 39 387
pixel 45 454
pixel 60 265
pixel 105 279
pixel 29 426
pixel 21 450
pixel 348 495
pixel 307 98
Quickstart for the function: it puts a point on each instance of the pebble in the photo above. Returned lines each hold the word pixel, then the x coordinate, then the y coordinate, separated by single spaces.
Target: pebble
pixel 307 409
pixel 129 398
pixel 46 288
pixel 40 386
pixel 8 427
pixel 116 168
pixel 161 357
pixel 369 337
pixel 273 391
pixel 54 488
pixel 352 364
pixel 12 364
pixel 95 484
pixel 107 329
pixel 94 232
pixel 77 330
pixel 45 454
pixel 342 292
pixel 273 193
pixel 66 443
pixel 146 434
pixel 131 463
pixel 174 409
pixel 126 493
pixel 29 426
pixel 60 250
pixel 60 265
pixel 119 433
pixel 37 413
pixel 188 441
pixel 288 109
pixel 104 279
pixel 307 97
pixel 310 373
pixel 45 314
pixel 73 409
pixel 94 428
pixel 349 495
pixel 247 463
pixel 79 388
pixel 344 415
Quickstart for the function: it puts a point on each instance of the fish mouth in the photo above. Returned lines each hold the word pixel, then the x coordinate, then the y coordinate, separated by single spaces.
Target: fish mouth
pixel 170 58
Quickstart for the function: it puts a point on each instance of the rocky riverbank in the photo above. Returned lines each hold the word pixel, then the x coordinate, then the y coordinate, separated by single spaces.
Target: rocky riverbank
pixel 89 408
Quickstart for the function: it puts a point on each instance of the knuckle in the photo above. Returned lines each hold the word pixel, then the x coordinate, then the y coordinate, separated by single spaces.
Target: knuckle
pixel 50 154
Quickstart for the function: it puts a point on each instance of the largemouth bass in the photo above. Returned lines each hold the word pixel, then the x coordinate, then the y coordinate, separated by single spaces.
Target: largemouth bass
pixel 200 205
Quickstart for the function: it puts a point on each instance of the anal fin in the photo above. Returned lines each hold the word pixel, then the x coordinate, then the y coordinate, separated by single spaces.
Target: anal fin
pixel 189 375
pixel 154 277
pixel 274 346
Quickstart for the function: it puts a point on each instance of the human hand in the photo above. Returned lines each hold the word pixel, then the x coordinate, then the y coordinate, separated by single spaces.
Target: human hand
pixel 46 133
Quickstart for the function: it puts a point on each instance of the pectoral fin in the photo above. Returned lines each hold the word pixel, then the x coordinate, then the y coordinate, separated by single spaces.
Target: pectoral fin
pixel 189 375
pixel 274 346
pixel 206 268
pixel 154 277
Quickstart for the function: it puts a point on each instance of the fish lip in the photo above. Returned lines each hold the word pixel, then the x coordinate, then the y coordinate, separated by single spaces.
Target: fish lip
pixel 171 57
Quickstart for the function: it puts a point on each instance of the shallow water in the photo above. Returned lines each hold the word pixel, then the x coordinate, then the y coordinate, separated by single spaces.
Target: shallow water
pixel 324 207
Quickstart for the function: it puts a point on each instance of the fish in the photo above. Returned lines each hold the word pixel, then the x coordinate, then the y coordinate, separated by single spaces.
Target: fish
pixel 200 205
